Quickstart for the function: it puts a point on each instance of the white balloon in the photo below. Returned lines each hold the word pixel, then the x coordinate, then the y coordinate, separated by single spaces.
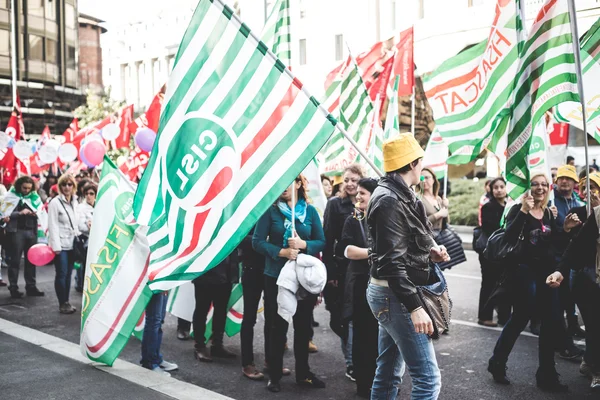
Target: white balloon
pixel 121 160
pixel 52 143
pixel 4 140
pixel 67 152
pixel 48 154
pixel 22 150
pixel 111 131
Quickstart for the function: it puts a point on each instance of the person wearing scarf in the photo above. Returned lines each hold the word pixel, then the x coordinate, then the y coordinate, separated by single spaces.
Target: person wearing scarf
pixel 21 205
pixel 275 239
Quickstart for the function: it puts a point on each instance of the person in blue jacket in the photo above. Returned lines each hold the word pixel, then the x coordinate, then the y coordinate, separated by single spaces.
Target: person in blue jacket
pixel 275 239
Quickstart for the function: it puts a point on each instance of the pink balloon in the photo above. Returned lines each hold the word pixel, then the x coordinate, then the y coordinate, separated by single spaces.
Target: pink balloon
pixel 94 152
pixel 40 255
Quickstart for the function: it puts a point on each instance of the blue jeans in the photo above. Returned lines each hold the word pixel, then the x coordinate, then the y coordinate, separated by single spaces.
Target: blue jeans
pixel 347 346
pixel 399 344
pixel 530 290
pixel 63 264
pixel 152 338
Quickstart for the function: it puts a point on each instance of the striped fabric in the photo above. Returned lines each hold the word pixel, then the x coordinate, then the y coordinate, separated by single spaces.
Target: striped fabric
pixel 348 99
pixel 545 78
pixel 375 149
pixel 236 128
pixel 392 124
pixel 471 91
pixel 115 294
pixel 276 33
pixel 570 112
pixel 436 154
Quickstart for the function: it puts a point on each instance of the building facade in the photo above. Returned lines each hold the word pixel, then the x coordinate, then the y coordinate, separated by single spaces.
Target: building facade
pixel 90 53
pixel 47 67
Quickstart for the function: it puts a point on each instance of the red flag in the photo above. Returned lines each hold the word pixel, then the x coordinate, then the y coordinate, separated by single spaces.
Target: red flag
pixel 124 120
pixel 138 159
pixel 15 129
pixel 404 65
pixel 92 128
pixel 151 117
pixel 379 86
pixel 69 134
pixel 366 61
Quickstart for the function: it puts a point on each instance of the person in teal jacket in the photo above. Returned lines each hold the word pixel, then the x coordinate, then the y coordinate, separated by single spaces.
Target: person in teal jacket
pixel 274 238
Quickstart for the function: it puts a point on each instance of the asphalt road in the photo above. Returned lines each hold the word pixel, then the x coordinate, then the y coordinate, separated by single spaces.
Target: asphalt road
pixel 462 355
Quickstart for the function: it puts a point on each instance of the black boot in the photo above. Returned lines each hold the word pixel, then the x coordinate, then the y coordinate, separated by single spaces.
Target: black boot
pixel 498 371
pixel 217 349
pixel 548 380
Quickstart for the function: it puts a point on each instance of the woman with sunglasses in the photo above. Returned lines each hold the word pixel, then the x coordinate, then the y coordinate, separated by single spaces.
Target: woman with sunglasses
pixel 535 224
pixel 62 229
pixel 86 214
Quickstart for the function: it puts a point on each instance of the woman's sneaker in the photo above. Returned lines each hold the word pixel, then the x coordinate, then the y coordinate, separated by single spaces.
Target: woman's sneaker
pixel 311 381
pixel 66 308
pixel 595 386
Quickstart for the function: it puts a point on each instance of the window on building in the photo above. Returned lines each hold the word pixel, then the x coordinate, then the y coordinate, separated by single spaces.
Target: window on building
pixel 35 7
pixel 302 52
pixel 51 51
pixel 51 9
pixel 70 16
pixel 4 4
pixel 4 43
pixel 36 48
pixel 71 57
pixel 302 9
pixel 339 47
pixel 110 72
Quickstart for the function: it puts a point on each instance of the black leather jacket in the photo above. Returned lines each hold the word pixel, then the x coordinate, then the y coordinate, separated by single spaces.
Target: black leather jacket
pixel 401 239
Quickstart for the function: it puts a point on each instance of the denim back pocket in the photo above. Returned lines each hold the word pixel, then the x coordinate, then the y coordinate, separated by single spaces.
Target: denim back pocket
pixel 380 306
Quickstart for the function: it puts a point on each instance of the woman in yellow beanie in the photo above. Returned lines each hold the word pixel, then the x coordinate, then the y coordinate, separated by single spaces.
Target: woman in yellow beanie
pixel 402 247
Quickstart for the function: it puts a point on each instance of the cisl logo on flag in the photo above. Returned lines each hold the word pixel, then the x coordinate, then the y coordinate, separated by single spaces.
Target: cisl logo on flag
pixel 199 170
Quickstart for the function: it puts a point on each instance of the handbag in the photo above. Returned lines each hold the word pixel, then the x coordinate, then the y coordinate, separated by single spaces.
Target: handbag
pixel 479 240
pixel 436 301
pixel 79 242
pixel 453 244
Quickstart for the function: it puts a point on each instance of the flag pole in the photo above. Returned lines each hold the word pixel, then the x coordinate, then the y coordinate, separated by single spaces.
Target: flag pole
pixel 360 151
pixel 13 53
pixel 294 206
pixel 412 112
pixel 445 182
pixel 576 52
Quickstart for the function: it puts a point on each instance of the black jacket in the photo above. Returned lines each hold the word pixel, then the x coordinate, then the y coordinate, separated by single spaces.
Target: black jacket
pixel 249 257
pixel 581 251
pixel 401 239
pixel 491 215
pixel 338 209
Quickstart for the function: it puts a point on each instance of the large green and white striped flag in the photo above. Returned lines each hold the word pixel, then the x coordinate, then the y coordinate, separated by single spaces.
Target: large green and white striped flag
pixel 236 128
pixel 392 122
pixel 354 109
pixel 570 112
pixel 276 34
pixel 470 92
pixel 546 77
pixel 115 294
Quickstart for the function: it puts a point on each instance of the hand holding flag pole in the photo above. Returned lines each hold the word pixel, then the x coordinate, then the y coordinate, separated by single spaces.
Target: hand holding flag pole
pixel 576 52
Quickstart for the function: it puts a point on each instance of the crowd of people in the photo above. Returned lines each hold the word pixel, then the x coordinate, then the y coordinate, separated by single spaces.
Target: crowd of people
pixel 554 274
pixel 377 240
pixel 53 209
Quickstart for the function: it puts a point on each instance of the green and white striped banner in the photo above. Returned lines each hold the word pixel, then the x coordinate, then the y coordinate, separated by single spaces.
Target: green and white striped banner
pixel 375 150
pixel 570 112
pixel 276 34
pixel 236 129
pixel 354 109
pixel 392 122
pixel 471 92
pixel 436 154
pixel 545 78
pixel 115 294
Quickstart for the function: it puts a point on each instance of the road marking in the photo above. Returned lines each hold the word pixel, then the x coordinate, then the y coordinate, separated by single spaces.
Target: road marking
pixel 125 370
pixel 452 275
pixel 499 329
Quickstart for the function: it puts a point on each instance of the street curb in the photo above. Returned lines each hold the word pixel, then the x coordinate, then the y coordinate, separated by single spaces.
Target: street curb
pixel 125 370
